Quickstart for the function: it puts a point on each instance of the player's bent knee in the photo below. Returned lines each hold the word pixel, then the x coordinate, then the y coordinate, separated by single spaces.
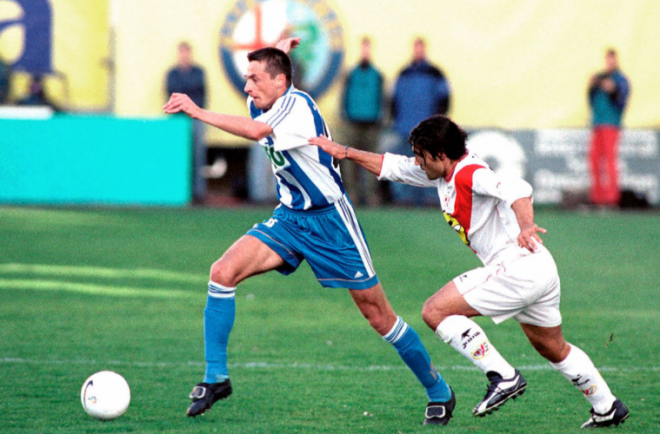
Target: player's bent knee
pixel 432 314
pixel 224 273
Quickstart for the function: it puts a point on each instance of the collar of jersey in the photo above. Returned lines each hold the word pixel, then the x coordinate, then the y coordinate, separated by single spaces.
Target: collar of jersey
pixel 448 177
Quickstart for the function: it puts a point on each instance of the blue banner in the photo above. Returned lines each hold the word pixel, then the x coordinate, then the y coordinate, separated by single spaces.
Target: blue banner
pixel 37 23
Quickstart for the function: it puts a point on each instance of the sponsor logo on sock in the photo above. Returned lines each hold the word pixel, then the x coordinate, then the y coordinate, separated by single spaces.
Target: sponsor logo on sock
pixel 469 338
pixel 579 381
pixel 480 352
pixel 590 390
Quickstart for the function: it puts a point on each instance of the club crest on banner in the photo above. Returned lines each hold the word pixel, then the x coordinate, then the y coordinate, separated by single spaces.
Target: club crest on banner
pixel 254 24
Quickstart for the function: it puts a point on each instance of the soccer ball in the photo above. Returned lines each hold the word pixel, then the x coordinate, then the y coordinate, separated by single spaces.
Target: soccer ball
pixel 105 395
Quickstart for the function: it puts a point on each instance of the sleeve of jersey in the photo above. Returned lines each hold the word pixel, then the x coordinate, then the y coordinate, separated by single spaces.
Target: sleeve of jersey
pixel 488 183
pixel 292 124
pixel 399 168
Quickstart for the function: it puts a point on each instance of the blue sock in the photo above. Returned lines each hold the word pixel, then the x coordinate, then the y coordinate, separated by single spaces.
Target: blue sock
pixel 218 321
pixel 410 348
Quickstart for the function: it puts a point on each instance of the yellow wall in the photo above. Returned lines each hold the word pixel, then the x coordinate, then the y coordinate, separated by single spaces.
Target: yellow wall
pixel 80 48
pixel 520 63
pixel 511 63
pixel 147 33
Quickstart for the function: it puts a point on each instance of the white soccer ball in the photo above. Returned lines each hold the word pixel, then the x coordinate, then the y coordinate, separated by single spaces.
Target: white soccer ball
pixel 105 395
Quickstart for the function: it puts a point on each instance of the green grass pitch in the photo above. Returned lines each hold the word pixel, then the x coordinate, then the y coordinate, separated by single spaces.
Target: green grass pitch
pixel 84 290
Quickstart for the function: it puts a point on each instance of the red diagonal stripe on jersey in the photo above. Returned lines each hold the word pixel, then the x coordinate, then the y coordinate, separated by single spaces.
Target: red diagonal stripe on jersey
pixel 463 205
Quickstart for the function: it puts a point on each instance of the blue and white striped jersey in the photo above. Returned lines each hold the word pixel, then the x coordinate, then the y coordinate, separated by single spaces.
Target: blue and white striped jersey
pixel 307 176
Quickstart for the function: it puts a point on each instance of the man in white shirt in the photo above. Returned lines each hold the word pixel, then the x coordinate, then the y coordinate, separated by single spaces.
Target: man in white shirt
pixel 494 216
pixel 315 221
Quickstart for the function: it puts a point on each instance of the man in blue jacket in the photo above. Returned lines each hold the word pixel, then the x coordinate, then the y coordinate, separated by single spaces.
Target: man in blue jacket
pixel 421 91
pixel 608 94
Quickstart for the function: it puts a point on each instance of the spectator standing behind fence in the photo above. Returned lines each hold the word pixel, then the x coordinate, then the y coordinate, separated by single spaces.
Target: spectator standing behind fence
pixel 37 95
pixel 362 109
pixel 188 78
pixel 421 90
pixel 5 76
pixel 608 94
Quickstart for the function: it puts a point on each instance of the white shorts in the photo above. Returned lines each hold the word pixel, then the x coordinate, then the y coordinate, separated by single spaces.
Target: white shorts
pixel 526 289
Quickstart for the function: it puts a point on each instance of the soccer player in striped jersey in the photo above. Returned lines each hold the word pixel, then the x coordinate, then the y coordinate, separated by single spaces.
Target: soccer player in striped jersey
pixel 315 222
pixel 494 216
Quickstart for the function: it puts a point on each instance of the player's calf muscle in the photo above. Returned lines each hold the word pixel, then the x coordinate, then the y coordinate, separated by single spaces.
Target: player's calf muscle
pixel 549 342
pixel 375 308
pixel 380 321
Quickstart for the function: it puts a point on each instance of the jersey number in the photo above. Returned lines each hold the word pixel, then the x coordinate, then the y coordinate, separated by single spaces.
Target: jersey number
pixel 275 157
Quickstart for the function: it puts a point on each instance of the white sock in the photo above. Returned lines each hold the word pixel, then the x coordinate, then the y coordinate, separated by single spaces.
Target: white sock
pixel 578 368
pixel 466 337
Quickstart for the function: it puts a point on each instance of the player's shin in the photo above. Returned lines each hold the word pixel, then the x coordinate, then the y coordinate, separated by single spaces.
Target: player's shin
pixel 466 337
pixel 410 348
pixel 578 368
pixel 218 321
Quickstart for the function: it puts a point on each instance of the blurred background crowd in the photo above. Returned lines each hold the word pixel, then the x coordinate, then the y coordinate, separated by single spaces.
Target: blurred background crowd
pixel 563 93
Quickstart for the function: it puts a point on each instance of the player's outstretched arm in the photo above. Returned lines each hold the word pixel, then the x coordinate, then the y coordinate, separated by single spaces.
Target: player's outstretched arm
pixel 236 125
pixel 370 161
pixel 528 237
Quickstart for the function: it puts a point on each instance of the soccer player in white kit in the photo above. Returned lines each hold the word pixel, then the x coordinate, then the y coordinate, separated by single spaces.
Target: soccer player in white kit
pixel 494 216
pixel 315 221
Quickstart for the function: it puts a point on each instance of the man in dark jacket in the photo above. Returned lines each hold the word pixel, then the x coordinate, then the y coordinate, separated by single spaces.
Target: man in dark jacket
pixel 188 78
pixel 421 90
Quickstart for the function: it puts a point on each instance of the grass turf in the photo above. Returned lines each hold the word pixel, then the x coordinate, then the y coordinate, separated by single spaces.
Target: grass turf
pixel 83 290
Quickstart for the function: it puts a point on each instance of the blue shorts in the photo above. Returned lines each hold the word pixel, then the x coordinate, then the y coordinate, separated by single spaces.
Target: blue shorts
pixel 330 239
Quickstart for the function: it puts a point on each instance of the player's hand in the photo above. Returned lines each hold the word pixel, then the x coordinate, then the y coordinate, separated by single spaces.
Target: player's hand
pixel 528 237
pixel 288 44
pixel 180 102
pixel 334 149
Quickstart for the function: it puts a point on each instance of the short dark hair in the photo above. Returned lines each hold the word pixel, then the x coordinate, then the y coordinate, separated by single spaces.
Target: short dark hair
pixel 277 62
pixel 439 135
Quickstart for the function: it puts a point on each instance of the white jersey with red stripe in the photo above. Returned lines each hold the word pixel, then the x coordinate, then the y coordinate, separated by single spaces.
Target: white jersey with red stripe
pixel 475 200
